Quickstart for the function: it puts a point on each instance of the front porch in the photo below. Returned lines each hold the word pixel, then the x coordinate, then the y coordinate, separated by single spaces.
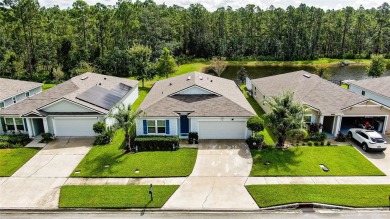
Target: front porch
pixel 31 126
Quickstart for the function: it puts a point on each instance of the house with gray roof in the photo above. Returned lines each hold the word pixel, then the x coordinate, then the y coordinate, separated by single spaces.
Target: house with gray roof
pixel 195 102
pixel 336 108
pixel 15 91
pixel 70 108
pixel 373 88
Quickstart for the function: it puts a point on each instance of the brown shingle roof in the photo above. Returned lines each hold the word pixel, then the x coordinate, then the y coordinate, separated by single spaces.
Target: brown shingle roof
pixel 68 90
pixel 376 85
pixel 225 99
pixel 314 91
pixel 10 88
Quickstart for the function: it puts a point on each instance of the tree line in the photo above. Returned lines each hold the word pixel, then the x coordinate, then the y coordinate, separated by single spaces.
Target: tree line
pixel 39 43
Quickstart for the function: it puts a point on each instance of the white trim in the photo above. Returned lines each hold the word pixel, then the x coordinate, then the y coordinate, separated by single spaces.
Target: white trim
pixel 365 89
pixel 14 95
pixel 197 86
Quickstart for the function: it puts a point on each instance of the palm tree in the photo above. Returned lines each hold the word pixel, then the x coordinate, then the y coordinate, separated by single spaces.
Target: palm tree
pixel 125 119
pixel 286 117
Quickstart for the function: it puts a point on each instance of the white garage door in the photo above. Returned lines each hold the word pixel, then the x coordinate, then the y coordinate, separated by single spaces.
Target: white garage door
pixel 222 130
pixel 73 126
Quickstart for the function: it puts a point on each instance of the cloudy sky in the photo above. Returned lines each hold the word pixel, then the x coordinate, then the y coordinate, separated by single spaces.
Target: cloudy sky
pixel 214 4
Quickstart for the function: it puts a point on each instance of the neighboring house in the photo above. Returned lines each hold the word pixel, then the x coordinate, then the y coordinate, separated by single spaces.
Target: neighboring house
pixel 70 108
pixel 15 91
pixel 329 104
pixel 195 102
pixel 375 88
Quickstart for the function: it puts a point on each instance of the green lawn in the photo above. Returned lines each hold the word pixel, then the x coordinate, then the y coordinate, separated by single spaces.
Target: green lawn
pixel 346 195
pixel 305 161
pixel 269 139
pixel 142 92
pixel 150 164
pixel 114 196
pixel 345 86
pixel 12 159
pixel 47 86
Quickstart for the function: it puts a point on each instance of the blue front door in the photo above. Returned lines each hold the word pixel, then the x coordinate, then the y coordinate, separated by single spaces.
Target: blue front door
pixel 184 125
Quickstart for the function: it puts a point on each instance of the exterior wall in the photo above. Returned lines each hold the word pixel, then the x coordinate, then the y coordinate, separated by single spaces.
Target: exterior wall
pixel 259 97
pixel 194 90
pixel 66 106
pixel 8 102
pixel 370 111
pixel 248 83
pixel 1 126
pixel 130 97
pixel 50 124
pixel 315 116
pixel 378 98
pixel 173 126
pixel 35 91
pixel 20 97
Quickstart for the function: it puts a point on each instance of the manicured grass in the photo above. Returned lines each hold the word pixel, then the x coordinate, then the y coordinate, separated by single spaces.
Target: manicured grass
pixel 47 86
pixel 150 164
pixel 269 139
pixel 12 159
pixel 305 161
pixel 142 92
pixel 345 86
pixel 346 195
pixel 114 196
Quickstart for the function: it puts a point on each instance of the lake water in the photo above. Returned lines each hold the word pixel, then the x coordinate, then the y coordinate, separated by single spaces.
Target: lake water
pixel 337 73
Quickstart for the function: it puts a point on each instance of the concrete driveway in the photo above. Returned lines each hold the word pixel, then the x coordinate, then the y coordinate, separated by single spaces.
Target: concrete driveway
pixel 218 179
pixel 37 183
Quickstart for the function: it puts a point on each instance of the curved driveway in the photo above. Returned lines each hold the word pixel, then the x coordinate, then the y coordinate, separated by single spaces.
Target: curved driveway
pixel 218 179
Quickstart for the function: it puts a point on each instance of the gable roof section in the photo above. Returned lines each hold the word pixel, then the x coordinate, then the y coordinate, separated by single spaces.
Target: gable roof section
pixel 375 85
pixel 69 90
pixel 225 98
pixel 10 87
pixel 310 89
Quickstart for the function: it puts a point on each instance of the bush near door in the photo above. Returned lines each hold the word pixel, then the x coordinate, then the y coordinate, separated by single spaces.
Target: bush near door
pixel 157 143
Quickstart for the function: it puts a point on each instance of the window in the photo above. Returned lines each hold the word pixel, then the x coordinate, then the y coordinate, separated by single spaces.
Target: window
pixel 27 94
pixel 156 126
pixel 1 105
pixel 19 124
pixel 363 92
pixel 307 119
pixel 9 123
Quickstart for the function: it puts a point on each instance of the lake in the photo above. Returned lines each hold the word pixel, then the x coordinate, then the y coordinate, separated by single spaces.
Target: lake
pixel 337 73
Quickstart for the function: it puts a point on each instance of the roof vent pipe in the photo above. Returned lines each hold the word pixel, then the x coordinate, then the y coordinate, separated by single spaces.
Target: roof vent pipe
pixel 189 78
pixel 307 75
pixel 200 77
pixel 83 78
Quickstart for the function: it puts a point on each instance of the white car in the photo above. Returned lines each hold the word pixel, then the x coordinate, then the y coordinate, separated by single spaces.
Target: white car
pixel 368 139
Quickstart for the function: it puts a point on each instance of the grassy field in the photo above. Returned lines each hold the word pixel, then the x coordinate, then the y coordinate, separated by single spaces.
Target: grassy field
pixel 142 92
pixel 268 137
pixel 149 164
pixel 47 86
pixel 114 196
pixel 305 161
pixel 346 195
pixel 12 159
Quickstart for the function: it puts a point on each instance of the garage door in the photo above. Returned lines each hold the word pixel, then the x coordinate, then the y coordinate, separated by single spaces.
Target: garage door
pixel 222 130
pixel 73 126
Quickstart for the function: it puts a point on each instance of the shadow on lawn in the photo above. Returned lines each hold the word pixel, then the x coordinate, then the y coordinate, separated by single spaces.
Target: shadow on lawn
pixel 145 207
pixel 279 160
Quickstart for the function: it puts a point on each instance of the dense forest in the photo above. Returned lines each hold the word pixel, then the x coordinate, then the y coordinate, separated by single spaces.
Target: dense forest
pixel 39 43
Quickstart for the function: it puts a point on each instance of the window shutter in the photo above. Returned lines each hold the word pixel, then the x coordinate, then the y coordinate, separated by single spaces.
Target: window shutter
pixel 145 127
pixel 167 127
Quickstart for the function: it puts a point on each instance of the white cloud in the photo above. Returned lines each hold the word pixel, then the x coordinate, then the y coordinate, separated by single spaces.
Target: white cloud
pixel 215 4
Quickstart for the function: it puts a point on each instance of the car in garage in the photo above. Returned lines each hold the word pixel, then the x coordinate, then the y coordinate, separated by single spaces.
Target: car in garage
pixel 368 139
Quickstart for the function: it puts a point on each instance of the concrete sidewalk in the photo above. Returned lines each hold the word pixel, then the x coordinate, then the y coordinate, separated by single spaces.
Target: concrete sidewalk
pixel 125 181
pixel 331 180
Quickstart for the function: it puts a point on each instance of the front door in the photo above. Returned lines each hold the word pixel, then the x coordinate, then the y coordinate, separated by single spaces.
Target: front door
pixel 184 125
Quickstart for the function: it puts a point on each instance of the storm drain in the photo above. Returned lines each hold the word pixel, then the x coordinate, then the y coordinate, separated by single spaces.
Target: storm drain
pixel 136 170
pixel 107 165
pixel 77 171
pixel 324 168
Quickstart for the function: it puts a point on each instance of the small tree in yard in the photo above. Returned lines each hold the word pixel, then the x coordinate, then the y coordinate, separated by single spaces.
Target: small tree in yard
pixel 255 124
pixel 166 64
pixel 141 65
pixel 377 66
pixel 323 72
pixel 125 119
pixel 218 65
pixel 286 118
pixel 242 73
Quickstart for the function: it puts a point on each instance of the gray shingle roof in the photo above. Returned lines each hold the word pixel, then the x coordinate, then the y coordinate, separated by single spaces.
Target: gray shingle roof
pixel 68 90
pixel 314 91
pixel 376 85
pixel 226 98
pixel 10 87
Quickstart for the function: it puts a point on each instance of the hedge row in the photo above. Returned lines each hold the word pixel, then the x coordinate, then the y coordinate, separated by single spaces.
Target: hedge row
pixel 156 143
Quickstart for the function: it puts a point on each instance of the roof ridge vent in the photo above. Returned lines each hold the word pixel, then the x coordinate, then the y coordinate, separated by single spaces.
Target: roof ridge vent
pixel 84 78
pixel 307 75
pixel 189 78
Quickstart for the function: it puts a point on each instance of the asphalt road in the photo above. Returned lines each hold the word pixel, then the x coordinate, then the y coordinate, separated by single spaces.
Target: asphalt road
pixel 316 214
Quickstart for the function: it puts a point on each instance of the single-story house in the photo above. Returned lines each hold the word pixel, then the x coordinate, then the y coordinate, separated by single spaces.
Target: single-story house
pixel 70 108
pixel 336 108
pixel 14 91
pixel 213 107
pixel 375 88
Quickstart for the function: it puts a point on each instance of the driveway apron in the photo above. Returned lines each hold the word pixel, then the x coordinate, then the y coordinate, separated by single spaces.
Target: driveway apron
pixel 218 179
pixel 37 183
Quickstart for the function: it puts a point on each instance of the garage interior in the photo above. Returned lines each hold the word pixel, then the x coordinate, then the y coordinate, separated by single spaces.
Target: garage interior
pixel 378 122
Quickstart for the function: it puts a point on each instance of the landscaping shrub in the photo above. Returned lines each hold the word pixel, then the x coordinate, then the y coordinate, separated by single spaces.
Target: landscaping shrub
pixel 316 143
pixel 257 140
pixel 47 136
pixel 309 143
pixel 99 127
pixel 14 139
pixel 328 143
pixel 322 143
pixel 156 143
pixel 341 137
pixel 317 136
pixel 193 136
pixel 255 124
pixel 103 139
pixel 4 144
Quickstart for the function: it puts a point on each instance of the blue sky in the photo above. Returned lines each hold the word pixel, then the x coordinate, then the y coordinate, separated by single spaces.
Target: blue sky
pixel 214 4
